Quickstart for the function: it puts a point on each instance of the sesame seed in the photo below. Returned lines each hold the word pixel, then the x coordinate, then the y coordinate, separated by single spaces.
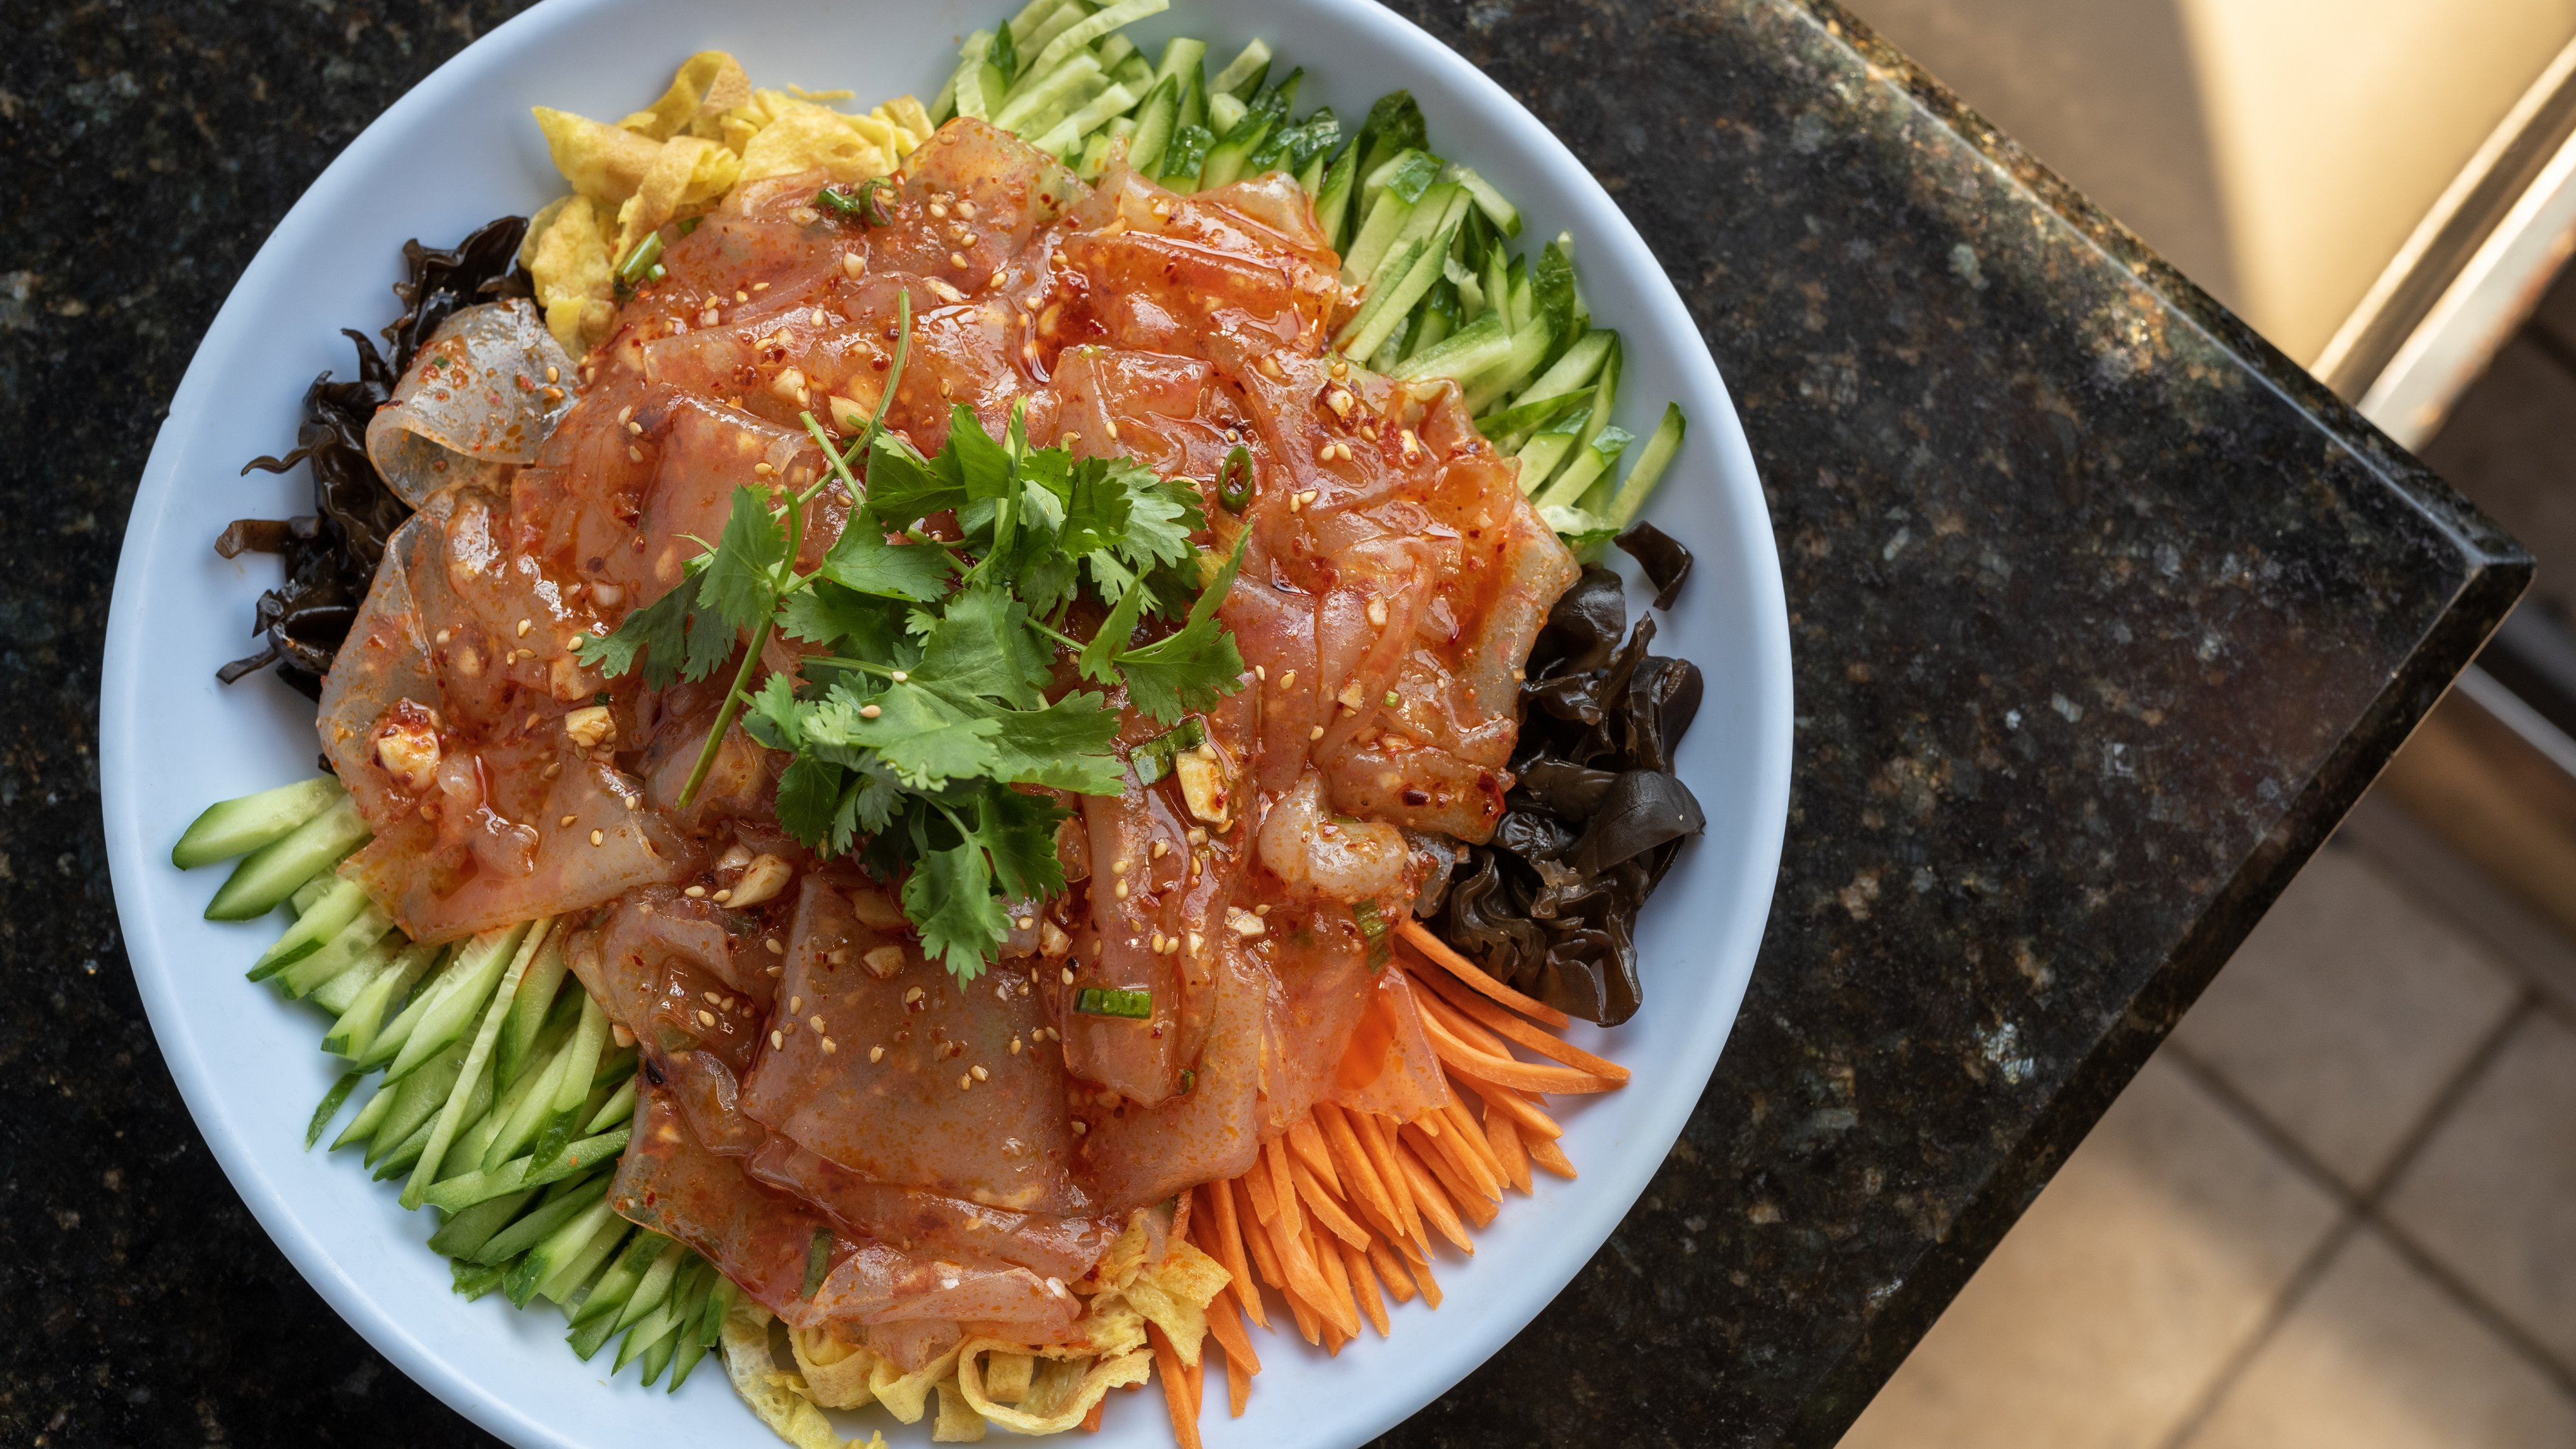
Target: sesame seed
pixel 723 896
pixel 706 1018
pixel 1122 890
pixel 774 948
pixel 599 837
pixel 776 1040
pixel 876 1054
pixel 821 320
pixel 796 1003
pixel 1118 867
pixel 524 627
pixel 898 676
pixel 870 711
pixel 1315 733
pixel 982 1075
pixel 564 822
pixel 1307 497
pixel 1015 1046
pixel 634 454
pixel 1026 923
pixel 1161 849
pixel 1068 976
pixel 1197 836
pixel 712 998
pixel 635 428
pixel 572 641
pixel 815 1022
pixel 965 1081
pixel 913 995
pixel 998 279
pixel 695 893
pixel 740 295
pixel 828 1047
pixel 1288 680
pixel 1080 1127
pixel 553 374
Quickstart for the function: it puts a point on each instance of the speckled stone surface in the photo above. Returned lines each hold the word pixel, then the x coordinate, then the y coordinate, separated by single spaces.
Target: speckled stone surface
pixel 2102 614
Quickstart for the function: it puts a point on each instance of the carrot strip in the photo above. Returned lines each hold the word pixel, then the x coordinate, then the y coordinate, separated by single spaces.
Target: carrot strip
pixel 1274 1159
pixel 1460 1170
pixel 1364 1283
pixel 1219 1231
pixel 1225 1325
pixel 1308 1145
pixel 1462 1026
pixel 1372 1134
pixel 1352 1159
pixel 1181 1216
pixel 1238 1381
pixel 1390 1267
pixel 1430 1286
pixel 1505 1138
pixel 1326 1211
pixel 1524 1113
pixel 1288 1234
pixel 1265 1200
pixel 1343 1310
pixel 1502 1023
pixel 1091 1421
pixel 1546 1153
pixel 1464 1193
pixel 1198 1388
pixel 1503 1071
pixel 1257 1238
pixel 1310 1325
pixel 1474 1148
pixel 1428 1196
pixel 1176 1388
pixel 1419 937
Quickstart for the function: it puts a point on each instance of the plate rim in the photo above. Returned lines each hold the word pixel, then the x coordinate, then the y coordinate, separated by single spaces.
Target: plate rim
pixel 1615 1184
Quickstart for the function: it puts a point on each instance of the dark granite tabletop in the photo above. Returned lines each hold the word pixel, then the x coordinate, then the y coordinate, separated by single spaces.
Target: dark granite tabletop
pixel 2102 612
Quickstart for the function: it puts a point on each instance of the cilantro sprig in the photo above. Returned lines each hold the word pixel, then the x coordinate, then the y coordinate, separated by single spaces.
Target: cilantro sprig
pixel 927 704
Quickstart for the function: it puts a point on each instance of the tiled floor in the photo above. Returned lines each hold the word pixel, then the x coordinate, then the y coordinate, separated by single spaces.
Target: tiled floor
pixel 2337 1209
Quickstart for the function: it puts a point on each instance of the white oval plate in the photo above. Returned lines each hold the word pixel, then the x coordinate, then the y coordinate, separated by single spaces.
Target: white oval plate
pixel 459 150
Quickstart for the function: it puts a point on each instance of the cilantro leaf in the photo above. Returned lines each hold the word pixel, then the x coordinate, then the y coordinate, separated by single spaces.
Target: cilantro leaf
pixel 1018 832
pixel 903 486
pixel 1160 518
pixel 1193 668
pixel 818 804
pixel 711 643
pixel 776 717
pixel 983 646
pixel 1095 510
pixel 949 897
pixel 862 560
pixel 1099 658
pixel 1070 744
pixel 983 466
pixel 863 625
pixel 657 633
pixel 925 740
pixel 741 581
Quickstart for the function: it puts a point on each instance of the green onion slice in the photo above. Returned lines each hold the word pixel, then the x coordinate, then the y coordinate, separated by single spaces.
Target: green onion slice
pixel 861 203
pixel 1234 479
pixel 1152 760
pixel 818 1260
pixel 1111 1001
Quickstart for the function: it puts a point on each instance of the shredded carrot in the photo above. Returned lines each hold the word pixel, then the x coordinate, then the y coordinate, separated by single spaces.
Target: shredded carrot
pixel 1464 1027
pixel 1504 1071
pixel 1223 1236
pixel 1502 1023
pixel 1308 1144
pixel 1390 1270
pixel 1181 1216
pixel 1225 1324
pixel 1283 1188
pixel 1349 1156
pixel 1417 935
pixel 1465 1195
pixel 1176 1388
pixel 1256 1238
pixel 1198 1388
pixel 1472 1145
pixel 1545 1152
pixel 1326 1211
pixel 1504 1136
pixel 1340 1307
pixel 1428 1196
pixel 1524 1113
pixel 1265 1199
pixel 1381 1149
pixel 1459 1170
pixel 1355 1264
pixel 1091 1421
pixel 1430 1286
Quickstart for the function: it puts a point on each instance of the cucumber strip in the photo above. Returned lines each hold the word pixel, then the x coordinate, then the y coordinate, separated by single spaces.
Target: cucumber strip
pixel 720 1301
pixel 1548 449
pixel 340 903
pixel 1497 207
pixel 621 1105
pixel 1464 353
pixel 1310 177
pixel 1471 289
pixel 1032 15
pixel 1136 73
pixel 966 85
pixel 1041 118
pixel 1520 417
pixel 1523 295
pixel 1243 72
pixel 585 1338
pixel 569 1239
pixel 415 1098
pixel 477 1099
pixel 1394 123
pixel 1376 237
pixel 361 940
pixel 1648 470
pixel 651 1333
pixel 607 1297
pixel 459 996
pixel 469 1230
pixel 525 1234
pixel 381 1046
pixel 473 1280
pixel 1495 275
pixel 478 1068
pixel 1043 91
pixel 1529 345
pixel 1397 302
pixel 616 1069
pixel 1095 113
pixel 369 1118
pixel 1182 159
pixel 525 1112
pixel 309 892
pixel 683 1348
pixel 1408 174
pixel 569 1279
pixel 1390 351
pixel 271 873
pixel 1605 393
pixel 1062 47
pixel 1591 461
pixel 1433 213
pixel 1225 113
pixel 459 1193
pixel 238 827
pixel 1156 119
pixel 330 1107
pixel 655 1287
pixel 1573 371
pixel 539 1004
pixel 342 991
pixel 1333 203
pixel 1377 304
pixel 484 1132
pixel 1184 61
pixel 1432 324
pixel 570 1090
pixel 1115 51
